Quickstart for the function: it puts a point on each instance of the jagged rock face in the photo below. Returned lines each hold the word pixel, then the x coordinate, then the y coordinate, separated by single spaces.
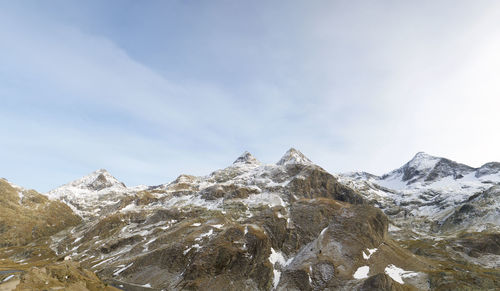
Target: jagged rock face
pixel 313 182
pixel 479 212
pixel 448 168
pixel 246 158
pixel 488 169
pixel 100 183
pixel 335 248
pixel 96 194
pixel 426 168
pixel 416 169
pixel 26 215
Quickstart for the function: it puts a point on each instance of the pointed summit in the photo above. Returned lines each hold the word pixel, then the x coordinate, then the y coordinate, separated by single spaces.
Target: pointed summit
pixel 246 158
pixel 97 181
pixel 293 156
pixel 423 155
pixel 423 161
pixel 426 168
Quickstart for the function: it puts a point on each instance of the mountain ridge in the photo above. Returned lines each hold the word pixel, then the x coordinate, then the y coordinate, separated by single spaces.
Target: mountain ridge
pixel 287 225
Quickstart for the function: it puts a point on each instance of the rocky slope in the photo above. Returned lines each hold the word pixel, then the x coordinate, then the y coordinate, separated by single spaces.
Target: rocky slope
pixel 93 195
pixel 64 275
pixel 26 215
pixel 445 211
pixel 250 226
pixel 27 220
pixel 431 224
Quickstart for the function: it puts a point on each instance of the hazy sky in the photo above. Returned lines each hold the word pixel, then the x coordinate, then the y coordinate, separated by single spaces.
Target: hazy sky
pixel 153 89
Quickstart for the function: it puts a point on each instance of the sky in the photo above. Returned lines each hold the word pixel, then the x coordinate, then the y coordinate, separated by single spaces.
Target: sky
pixel 152 89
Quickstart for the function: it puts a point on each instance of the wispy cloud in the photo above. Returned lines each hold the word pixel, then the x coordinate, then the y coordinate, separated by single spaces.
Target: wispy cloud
pixel 353 86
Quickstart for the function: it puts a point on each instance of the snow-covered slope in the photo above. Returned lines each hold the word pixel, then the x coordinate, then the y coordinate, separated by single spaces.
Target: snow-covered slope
pixel 424 168
pixel 427 187
pixel 90 195
pixel 246 181
pixel 293 156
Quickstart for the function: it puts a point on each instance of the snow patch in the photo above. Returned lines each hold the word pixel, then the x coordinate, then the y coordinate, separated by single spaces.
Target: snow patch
pixel 361 272
pixel 129 208
pixel 146 245
pixel 370 253
pixel 116 273
pixel 195 246
pixel 277 257
pixel 392 227
pixel 8 278
pixel 266 198
pixel 107 260
pixel 323 231
pixel 397 274
pixel 206 234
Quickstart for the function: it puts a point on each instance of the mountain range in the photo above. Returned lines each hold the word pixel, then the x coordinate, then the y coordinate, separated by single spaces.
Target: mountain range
pixel 432 224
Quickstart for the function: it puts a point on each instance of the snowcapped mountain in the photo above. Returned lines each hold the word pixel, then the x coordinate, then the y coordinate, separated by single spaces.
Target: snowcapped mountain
pixel 425 168
pixel 430 189
pixel 284 226
pixel 252 182
pixel 258 226
pixel 93 194
pixel 246 158
pixel 293 156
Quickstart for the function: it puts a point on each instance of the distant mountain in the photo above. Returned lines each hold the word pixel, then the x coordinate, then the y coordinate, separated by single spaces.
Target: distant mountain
pixel 427 168
pixel 246 158
pixel 94 194
pixel 430 188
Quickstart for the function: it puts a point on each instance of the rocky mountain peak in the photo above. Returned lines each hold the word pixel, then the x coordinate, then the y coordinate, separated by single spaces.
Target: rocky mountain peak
pixel 246 158
pixel 430 168
pixel 285 226
pixel 293 156
pixel 423 161
pixel 95 181
pixel 417 168
pixel 424 167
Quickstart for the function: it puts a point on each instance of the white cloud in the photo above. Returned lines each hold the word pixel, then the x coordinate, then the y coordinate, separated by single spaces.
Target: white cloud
pixel 355 87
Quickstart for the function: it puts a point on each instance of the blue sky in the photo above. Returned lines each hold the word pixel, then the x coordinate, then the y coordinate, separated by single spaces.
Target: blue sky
pixel 153 89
